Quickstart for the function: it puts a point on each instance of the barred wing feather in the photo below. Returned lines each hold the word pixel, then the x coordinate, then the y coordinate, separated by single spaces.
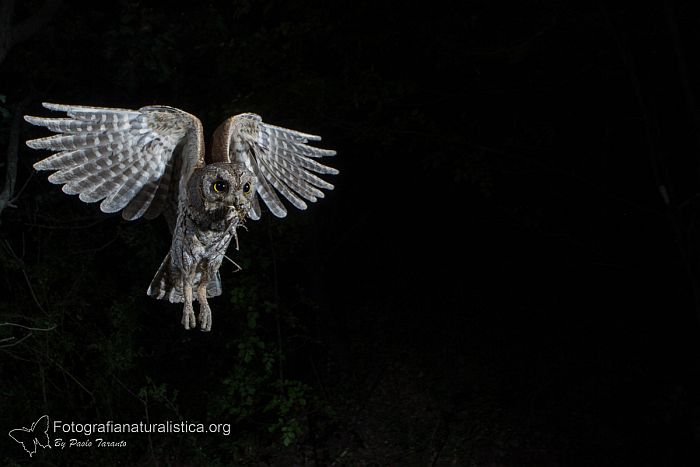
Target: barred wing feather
pixel 119 156
pixel 280 159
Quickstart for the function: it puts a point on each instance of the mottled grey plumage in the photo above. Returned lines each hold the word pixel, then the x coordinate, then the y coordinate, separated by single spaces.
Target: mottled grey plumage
pixel 151 161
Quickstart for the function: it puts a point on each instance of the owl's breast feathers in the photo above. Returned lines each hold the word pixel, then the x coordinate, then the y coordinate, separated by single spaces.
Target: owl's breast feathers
pixel 207 234
pixel 219 219
pixel 199 244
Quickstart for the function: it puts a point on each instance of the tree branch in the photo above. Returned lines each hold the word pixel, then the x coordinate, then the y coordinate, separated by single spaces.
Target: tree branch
pixel 12 157
pixel 7 7
pixel 13 35
pixel 14 342
pixel 34 23
pixel 29 328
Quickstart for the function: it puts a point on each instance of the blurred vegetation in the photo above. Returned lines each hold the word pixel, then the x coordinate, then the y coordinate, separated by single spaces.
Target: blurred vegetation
pixel 91 346
pixel 501 142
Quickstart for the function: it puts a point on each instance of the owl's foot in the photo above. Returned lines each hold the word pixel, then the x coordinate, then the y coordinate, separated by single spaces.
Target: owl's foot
pixel 204 317
pixel 188 319
pixel 204 310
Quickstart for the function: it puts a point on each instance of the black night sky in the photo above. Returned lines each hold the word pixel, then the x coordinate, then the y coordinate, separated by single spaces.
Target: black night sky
pixel 506 274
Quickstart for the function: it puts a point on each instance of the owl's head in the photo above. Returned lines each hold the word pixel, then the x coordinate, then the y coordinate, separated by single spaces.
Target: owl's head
pixel 222 185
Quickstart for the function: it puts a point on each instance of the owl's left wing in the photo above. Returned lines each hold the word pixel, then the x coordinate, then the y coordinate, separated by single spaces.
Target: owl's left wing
pixel 127 158
pixel 279 158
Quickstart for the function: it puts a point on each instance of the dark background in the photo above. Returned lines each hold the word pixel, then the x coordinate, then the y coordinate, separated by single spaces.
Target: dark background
pixel 505 275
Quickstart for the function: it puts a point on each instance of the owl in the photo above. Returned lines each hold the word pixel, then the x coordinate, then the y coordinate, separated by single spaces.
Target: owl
pixel 152 161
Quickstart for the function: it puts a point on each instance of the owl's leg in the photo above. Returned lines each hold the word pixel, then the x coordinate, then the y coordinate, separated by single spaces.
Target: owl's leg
pixel 204 310
pixel 188 319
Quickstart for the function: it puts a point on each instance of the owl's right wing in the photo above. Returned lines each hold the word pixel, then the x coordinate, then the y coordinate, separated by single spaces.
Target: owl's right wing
pixel 129 159
pixel 279 158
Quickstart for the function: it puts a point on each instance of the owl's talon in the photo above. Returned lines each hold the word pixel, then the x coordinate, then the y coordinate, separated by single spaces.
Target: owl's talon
pixel 205 318
pixel 204 310
pixel 188 319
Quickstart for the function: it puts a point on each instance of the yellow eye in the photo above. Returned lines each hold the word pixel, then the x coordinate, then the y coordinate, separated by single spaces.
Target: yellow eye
pixel 246 187
pixel 219 186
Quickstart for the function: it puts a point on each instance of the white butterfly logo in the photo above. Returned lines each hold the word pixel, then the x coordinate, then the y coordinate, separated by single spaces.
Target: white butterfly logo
pixel 32 437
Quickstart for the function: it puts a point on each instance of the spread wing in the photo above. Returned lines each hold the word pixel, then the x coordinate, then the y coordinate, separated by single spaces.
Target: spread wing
pixel 279 158
pixel 135 161
pixel 26 438
pixel 40 429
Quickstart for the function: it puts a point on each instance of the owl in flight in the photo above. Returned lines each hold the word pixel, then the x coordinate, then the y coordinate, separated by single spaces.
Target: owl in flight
pixel 152 161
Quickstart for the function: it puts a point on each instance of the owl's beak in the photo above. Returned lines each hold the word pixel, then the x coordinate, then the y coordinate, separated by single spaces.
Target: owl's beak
pixel 240 209
pixel 239 204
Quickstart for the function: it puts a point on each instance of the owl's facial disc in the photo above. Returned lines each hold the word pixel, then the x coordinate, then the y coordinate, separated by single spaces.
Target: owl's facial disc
pixel 227 186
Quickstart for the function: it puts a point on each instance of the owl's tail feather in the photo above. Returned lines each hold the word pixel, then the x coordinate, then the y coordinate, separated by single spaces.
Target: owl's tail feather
pixel 213 286
pixel 164 286
pixel 167 286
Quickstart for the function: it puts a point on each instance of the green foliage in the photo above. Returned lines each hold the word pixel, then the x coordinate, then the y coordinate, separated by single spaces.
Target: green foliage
pixel 289 401
pixel 255 392
pixel 114 352
pixel 159 393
